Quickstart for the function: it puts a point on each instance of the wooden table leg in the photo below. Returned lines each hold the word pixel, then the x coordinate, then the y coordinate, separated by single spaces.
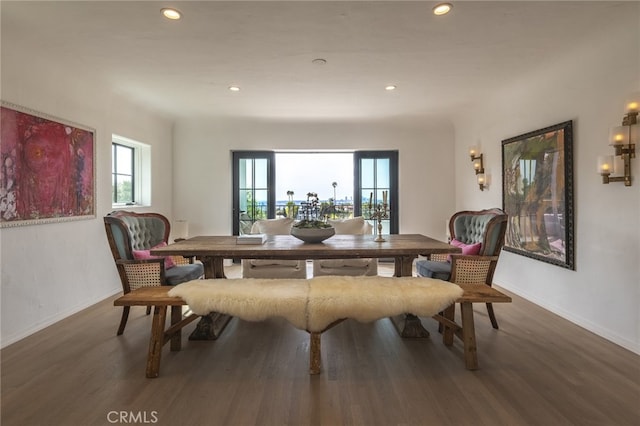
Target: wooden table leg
pixel 315 356
pixel 213 267
pixel 408 325
pixel 156 341
pixel 469 336
pixel 211 326
pixel 403 266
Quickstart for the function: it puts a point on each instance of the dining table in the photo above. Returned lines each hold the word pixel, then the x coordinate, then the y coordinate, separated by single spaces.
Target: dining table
pixel 403 249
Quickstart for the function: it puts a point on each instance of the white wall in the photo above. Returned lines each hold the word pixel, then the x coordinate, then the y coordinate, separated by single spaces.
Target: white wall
pixel 588 86
pixel 202 184
pixel 50 271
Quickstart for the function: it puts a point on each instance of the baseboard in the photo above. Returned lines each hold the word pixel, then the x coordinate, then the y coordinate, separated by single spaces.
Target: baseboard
pixel 579 321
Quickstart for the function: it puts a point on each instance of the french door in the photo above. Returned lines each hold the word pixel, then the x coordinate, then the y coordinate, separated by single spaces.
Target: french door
pixel 253 188
pixel 374 173
pixel 254 193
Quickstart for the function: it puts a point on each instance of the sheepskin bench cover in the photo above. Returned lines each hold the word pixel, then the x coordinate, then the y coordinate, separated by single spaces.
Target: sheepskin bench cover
pixel 317 303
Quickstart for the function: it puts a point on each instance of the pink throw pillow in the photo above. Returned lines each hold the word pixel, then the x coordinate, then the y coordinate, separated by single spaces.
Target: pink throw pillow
pixel 146 254
pixel 467 249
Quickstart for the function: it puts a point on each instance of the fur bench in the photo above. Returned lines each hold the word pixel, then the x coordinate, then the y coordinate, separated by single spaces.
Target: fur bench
pixel 317 304
pixel 314 305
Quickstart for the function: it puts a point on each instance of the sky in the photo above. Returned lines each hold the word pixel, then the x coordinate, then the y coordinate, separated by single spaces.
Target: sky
pixel 314 172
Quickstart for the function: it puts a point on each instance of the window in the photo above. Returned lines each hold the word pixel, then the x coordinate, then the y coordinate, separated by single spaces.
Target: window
pixel 130 172
pixel 122 158
pixel 345 182
pixel 328 174
pixel 375 173
pixel 253 189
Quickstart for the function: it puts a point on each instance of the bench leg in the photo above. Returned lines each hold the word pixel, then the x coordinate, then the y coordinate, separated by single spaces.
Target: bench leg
pixel 448 332
pixel 314 353
pixel 156 341
pixel 469 336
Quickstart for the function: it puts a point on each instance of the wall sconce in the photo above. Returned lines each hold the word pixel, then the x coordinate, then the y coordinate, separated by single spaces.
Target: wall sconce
pixel 478 166
pixel 482 181
pixel 623 139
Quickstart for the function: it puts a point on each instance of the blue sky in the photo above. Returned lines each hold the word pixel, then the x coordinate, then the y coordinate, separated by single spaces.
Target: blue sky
pixel 314 172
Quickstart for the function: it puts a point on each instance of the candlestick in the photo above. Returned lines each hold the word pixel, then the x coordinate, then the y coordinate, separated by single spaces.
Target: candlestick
pixel 380 212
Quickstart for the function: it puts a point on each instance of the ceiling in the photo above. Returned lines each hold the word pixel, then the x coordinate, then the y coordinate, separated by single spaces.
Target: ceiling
pixel 184 68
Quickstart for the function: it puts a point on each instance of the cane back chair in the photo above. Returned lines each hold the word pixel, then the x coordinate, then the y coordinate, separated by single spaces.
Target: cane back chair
pixel 131 236
pixel 480 235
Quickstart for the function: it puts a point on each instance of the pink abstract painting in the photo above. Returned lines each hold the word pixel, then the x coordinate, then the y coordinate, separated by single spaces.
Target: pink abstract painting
pixel 47 169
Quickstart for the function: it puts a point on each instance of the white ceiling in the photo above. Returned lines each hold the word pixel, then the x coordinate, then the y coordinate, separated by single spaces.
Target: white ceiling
pixel 184 68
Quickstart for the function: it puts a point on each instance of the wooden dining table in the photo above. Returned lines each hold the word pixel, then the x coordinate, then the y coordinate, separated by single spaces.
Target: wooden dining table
pixel 213 250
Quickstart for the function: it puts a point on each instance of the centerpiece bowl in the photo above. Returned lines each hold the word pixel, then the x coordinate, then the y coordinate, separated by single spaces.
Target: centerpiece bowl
pixel 312 235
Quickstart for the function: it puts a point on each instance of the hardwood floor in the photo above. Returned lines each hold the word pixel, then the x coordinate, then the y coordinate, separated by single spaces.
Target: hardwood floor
pixel 538 369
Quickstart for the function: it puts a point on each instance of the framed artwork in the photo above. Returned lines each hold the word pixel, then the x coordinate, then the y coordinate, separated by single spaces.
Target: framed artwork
pixel 47 173
pixel 537 194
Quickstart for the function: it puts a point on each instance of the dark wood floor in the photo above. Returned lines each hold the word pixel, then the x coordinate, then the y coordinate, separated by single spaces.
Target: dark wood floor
pixel 538 369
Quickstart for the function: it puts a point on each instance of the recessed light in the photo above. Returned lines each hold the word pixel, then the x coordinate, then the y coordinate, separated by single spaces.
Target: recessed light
pixel 234 88
pixel 170 13
pixel 442 9
pixel 390 87
pixel 319 61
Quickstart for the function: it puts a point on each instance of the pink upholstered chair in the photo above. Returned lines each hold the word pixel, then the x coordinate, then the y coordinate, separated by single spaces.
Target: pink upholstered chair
pixel 480 234
pixel 131 236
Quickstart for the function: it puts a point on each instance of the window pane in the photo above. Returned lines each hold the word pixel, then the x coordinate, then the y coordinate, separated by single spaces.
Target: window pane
pixel 124 160
pixel 261 165
pixel 382 174
pixel 124 192
pixel 365 199
pixel 261 196
pixel 367 173
pixel 261 204
pixel 245 199
pixel 244 174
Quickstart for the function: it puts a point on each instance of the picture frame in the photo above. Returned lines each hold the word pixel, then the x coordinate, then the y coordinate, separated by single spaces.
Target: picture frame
pixel 537 194
pixel 47 168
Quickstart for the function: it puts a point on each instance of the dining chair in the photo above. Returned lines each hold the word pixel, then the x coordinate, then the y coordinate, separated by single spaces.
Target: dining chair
pixel 480 235
pixel 131 237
